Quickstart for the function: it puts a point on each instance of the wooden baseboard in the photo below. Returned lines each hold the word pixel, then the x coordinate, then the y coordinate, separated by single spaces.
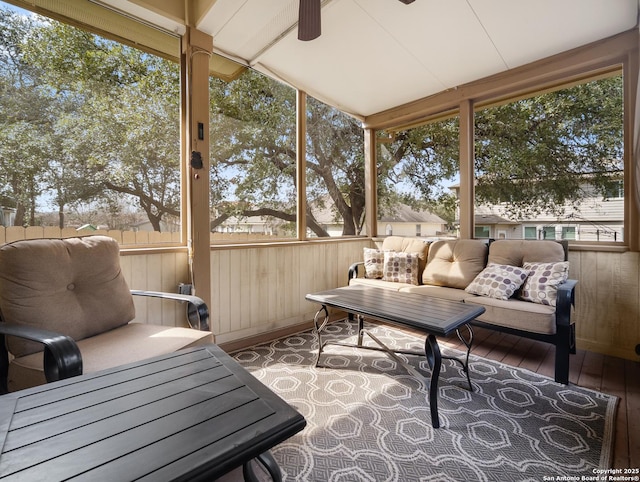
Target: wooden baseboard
pixel 237 345
pixel 243 343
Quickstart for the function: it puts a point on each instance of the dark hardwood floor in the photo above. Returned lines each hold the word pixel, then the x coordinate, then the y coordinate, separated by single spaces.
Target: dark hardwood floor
pixel 607 374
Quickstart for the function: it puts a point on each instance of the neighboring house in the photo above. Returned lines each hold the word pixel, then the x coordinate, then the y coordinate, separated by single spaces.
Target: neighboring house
pixel 405 221
pixel 251 225
pixel 597 218
pixel 490 225
pixel 325 215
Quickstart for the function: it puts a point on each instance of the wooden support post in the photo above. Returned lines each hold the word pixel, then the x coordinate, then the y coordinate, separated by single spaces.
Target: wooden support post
pixel 467 177
pixel 301 164
pixel 196 51
pixel 371 183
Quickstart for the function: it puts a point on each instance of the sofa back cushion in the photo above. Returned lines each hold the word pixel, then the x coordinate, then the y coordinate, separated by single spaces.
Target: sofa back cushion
pixel 455 262
pixel 71 286
pixel 516 252
pixel 402 244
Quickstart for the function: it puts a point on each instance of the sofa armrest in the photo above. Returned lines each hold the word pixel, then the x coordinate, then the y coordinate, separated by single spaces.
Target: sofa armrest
pixel 353 270
pixel 197 310
pixel 564 302
pixel 62 358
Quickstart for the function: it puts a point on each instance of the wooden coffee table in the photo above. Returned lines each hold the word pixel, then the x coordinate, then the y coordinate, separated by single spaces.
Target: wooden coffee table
pixel 192 415
pixel 432 316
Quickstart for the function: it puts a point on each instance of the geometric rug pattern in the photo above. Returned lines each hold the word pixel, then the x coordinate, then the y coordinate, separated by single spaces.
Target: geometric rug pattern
pixel 368 416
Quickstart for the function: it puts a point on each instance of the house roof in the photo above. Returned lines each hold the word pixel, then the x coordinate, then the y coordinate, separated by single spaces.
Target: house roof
pixel 483 219
pixel 405 214
pixel 374 55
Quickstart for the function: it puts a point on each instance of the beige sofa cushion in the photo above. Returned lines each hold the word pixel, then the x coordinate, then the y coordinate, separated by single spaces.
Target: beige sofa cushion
pixel 516 252
pixel 71 286
pixel 518 314
pixel 408 245
pixel 126 344
pixel 454 262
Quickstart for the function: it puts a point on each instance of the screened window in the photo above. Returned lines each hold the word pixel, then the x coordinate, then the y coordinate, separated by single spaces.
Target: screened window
pixel 253 159
pixel 418 175
pixel 334 173
pixel 555 156
pixel 89 133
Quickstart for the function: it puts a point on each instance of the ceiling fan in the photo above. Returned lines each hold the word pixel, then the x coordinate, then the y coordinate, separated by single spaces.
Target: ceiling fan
pixel 309 18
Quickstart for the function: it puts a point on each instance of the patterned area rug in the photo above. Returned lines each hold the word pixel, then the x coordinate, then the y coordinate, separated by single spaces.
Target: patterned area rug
pixel 368 416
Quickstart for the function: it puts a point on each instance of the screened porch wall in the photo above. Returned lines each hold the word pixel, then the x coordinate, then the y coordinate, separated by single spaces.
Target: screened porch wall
pixel 258 289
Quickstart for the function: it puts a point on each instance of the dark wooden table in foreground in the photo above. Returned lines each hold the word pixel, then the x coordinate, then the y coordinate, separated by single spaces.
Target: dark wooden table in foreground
pixel 433 316
pixel 191 415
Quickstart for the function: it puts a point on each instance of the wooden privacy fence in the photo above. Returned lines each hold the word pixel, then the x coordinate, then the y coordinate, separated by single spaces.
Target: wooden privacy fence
pixel 126 238
pixel 15 233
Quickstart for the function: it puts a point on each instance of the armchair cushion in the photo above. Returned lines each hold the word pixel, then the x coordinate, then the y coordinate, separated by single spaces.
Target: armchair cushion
pixel 126 344
pixel 72 286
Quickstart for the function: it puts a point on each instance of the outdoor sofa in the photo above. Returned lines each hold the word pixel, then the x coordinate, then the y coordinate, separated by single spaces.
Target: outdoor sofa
pixel 522 284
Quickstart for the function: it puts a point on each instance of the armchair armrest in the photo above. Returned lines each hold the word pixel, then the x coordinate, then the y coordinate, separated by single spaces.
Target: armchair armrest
pixel 566 299
pixel 62 358
pixel 197 310
pixel 353 270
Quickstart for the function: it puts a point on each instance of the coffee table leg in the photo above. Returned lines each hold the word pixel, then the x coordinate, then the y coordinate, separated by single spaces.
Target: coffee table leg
pixel 319 327
pixel 434 358
pixel 467 342
pixel 360 319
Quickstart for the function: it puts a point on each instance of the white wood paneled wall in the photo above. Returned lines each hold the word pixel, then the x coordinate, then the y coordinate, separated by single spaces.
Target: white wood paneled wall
pixel 157 272
pixel 256 289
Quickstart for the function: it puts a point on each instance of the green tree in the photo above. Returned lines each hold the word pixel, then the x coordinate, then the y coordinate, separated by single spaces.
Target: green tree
pixel 23 130
pixel 537 154
pixel 253 155
pixel 117 127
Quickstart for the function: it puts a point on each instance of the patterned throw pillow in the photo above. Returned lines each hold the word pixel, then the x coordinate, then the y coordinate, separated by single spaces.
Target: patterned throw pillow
pixel 373 263
pixel 498 281
pixel 542 285
pixel 401 267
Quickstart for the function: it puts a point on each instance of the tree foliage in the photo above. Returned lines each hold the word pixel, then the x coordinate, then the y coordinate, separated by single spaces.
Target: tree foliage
pixel 253 156
pixel 534 155
pixel 93 118
pixel 538 154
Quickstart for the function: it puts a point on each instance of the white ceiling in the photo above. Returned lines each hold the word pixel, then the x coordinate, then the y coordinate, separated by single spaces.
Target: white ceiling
pixel 377 54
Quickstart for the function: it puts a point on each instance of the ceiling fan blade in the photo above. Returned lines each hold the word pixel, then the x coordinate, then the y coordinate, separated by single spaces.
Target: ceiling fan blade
pixel 407 2
pixel 309 20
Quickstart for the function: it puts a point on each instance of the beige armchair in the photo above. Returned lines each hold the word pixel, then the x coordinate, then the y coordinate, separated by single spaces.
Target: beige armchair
pixel 65 309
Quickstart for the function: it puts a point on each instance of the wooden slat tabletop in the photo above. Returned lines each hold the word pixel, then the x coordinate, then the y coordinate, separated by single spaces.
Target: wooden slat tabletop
pixel 432 315
pixel 184 416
